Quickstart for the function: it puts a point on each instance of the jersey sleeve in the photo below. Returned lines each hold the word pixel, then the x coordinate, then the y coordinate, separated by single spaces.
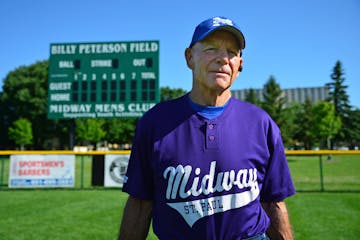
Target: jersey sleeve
pixel 278 183
pixel 138 180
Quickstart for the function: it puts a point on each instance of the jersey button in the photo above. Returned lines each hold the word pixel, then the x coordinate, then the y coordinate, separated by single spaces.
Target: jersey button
pixel 211 138
pixel 211 126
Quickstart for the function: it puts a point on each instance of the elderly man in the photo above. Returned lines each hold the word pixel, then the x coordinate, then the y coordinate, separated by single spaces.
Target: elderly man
pixel 205 165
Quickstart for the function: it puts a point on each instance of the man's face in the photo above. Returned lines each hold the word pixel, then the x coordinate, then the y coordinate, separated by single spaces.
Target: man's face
pixel 215 61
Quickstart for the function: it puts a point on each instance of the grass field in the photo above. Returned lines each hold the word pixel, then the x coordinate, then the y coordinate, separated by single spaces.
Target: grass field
pixel 95 214
pixel 342 173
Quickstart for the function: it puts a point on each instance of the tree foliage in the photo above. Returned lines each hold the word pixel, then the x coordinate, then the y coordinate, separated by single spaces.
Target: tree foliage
pixel 340 99
pixel 251 97
pixel 24 96
pixel 304 121
pixel 21 132
pixel 288 125
pixel 351 128
pixel 274 105
pixel 325 123
pixel 89 130
pixel 338 95
pixel 120 130
pixel 274 100
pixel 167 93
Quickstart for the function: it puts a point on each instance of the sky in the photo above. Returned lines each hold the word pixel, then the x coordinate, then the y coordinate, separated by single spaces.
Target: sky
pixel 297 42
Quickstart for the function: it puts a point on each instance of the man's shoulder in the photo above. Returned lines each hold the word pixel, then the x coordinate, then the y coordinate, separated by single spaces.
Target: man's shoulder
pixel 243 107
pixel 167 111
pixel 168 106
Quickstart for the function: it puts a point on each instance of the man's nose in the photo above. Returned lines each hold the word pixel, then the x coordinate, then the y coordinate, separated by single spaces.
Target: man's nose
pixel 223 56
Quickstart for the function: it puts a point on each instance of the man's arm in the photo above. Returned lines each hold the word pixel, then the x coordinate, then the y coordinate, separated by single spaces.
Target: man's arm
pixel 280 227
pixel 136 219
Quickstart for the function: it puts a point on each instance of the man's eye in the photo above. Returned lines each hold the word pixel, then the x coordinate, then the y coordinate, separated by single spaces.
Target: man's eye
pixel 234 52
pixel 210 49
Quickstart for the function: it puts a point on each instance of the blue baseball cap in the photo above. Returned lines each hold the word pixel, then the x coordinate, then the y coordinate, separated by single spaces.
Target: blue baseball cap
pixel 217 23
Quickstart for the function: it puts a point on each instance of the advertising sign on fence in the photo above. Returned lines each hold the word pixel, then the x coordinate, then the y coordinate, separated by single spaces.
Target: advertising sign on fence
pixel 39 171
pixel 115 169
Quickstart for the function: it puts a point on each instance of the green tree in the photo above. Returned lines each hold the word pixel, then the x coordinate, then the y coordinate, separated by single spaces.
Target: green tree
pixel 325 123
pixel 25 96
pixel 3 128
pixel 304 125
pixel 167 93
pixel 288 127
pixel 120 130
pixel 21 132
pixel 89 130
pixel 251 97
pixel 339 97
pixel 274 101
pixel 352 128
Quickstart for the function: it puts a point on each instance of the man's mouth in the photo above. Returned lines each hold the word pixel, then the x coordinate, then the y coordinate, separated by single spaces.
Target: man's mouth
pixel 222 73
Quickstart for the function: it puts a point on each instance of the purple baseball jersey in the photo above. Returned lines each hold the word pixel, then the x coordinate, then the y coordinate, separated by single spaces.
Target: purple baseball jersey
pixel 206 177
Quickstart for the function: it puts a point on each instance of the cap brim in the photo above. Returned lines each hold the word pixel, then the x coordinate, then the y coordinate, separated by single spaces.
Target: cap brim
pixel 233 30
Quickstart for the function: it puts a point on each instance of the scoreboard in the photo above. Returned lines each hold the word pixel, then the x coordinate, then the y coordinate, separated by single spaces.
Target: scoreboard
pixel 103 79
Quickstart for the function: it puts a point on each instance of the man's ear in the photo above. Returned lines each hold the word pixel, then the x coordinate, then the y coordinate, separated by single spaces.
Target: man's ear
pixel 240 68
pixel 241 65
pixel 189 58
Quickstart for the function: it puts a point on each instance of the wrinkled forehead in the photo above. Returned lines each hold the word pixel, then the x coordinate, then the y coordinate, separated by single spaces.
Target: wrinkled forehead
pixel 223 38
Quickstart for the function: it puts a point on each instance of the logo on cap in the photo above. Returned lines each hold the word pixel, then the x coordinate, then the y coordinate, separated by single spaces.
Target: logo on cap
pixel 217 21
pixel 210 25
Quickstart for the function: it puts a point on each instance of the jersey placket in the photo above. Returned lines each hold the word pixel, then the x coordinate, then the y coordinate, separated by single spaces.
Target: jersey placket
pixel 212 135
